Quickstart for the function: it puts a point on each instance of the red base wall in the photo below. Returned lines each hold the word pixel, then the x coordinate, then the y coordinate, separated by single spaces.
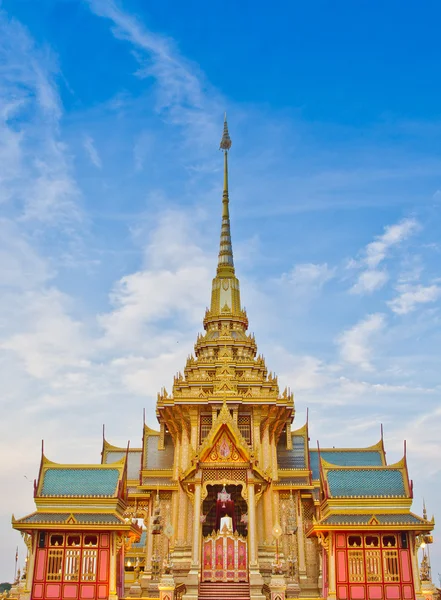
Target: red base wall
pixel 44 587
pixel 373 572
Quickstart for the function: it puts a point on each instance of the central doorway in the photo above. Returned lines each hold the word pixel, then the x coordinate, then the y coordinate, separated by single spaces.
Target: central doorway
pixel 210 513
pixel 224 535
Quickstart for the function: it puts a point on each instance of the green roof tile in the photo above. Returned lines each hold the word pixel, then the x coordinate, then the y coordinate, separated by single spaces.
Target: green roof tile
pixel 86 518
pixel 345 458
pixel 294 458
pixel 395 519
pixel 80 482
pixel 366 483
pixel 133 461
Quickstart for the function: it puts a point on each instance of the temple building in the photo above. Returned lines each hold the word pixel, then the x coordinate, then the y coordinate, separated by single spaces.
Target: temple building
pixel 226 499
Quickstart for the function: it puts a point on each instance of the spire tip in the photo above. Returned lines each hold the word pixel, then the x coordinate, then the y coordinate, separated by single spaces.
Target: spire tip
pixel 225 143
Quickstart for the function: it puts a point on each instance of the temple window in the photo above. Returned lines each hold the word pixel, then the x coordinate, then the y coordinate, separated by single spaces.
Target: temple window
pixel 72 565
pixel 56 540
pixel 354 541
pixel 371 541
pixel 390 565
pixel 73 540
pixel 54 564
pixel 89 565
pixel 389 541
pixel 373 565
pixel 356 565
pixel 205 427
pixel 244 424
pixel 72 557
pixel 91 540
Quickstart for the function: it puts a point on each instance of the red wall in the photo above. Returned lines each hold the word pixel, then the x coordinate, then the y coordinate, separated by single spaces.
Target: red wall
pixel 352 574
pixel 66 589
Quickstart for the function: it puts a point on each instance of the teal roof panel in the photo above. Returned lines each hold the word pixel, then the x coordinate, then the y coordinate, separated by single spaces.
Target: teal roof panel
pixel 345 458
pixel 133 461
pixel 159 459
pixel 294 458
pixel 366 483
pixel 78 482
pixel 86 518
pixel 389 519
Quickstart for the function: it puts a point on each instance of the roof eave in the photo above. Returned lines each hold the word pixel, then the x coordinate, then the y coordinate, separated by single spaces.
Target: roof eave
pixel 416 527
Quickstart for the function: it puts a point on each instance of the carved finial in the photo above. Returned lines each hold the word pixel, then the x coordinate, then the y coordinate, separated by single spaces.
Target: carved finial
pixel 424 510
pixel 225 143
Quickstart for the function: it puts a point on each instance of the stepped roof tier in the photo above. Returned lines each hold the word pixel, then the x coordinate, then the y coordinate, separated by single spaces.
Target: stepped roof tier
pixel 225 366
pixel 78 496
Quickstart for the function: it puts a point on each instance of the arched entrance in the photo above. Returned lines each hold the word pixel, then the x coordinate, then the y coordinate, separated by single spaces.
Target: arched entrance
pixel 224 531
pixel 210 509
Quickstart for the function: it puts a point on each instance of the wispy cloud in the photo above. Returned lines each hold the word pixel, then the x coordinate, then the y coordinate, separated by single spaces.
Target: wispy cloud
pixel 92 152
pixel 369 281
pixel 308 277
pixel 412 295
pixel 183 96
pixel 355 343
pixel 393 235
pixel 35 176
pixel 371 278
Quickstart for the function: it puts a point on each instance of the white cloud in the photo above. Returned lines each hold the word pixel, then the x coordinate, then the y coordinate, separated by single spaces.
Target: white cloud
pixel 21 268
pixel 393 235
pixel 307 373
pixel 50 340
pixel 142 149
pixel 182 95
pixel 371 278
pixel 369 281
pixel 412 268
pixel 92 152
pixel 355 343
pixel 413 295
pixel 35 173
pixel 171 285
pixel 307 277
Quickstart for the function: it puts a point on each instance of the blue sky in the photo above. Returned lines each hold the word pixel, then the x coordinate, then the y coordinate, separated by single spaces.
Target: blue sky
pixel 110 188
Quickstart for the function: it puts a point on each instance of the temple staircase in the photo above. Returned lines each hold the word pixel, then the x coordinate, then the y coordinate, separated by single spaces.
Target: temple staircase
pixel 224 591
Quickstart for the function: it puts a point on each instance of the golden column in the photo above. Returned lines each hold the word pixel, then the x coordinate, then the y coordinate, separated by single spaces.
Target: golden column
pixel 252 525
pixel 196 523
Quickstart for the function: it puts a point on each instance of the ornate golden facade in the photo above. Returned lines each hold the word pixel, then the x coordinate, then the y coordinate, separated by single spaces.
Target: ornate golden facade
pixel 226 449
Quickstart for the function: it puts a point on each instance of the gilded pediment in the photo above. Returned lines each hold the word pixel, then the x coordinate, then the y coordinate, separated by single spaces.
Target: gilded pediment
pixel 224 441
pixel 224 449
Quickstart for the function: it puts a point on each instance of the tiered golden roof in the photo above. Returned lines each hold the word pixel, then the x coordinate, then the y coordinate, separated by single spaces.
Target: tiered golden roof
pixel 225 364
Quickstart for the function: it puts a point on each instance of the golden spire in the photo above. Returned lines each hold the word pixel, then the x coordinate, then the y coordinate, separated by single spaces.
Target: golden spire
pixel 225 291
pixel 225 263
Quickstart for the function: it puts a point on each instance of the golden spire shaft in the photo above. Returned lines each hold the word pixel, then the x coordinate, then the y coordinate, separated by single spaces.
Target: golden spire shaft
pixel 225 197
pixel 225 262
